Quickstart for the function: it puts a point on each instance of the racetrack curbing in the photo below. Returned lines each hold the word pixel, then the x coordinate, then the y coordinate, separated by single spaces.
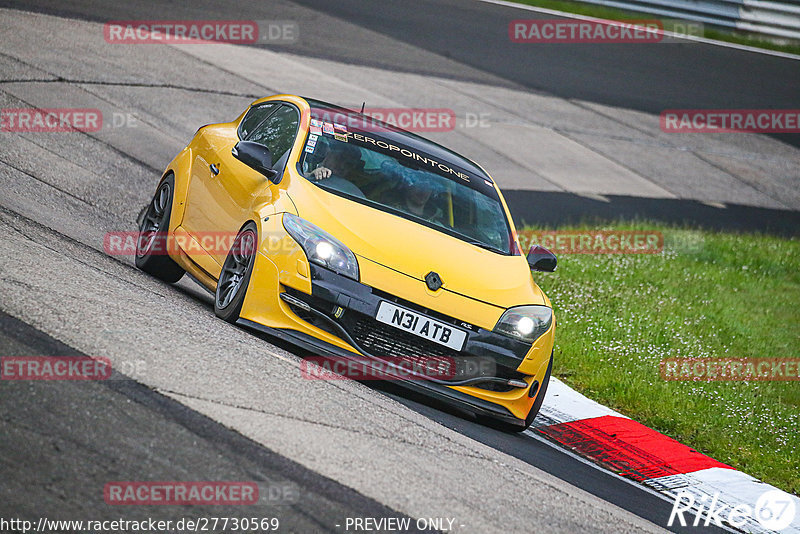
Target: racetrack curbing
pixel 696 483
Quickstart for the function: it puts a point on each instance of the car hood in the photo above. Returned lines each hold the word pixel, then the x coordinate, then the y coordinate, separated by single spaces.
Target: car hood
pixel 416 250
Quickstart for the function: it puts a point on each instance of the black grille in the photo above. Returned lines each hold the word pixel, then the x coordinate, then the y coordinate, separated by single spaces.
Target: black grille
pixel 383 340
pixel 386 342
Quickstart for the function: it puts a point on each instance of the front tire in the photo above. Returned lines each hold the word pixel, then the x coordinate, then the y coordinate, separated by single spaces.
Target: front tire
pixel 151 246
pixel 235 275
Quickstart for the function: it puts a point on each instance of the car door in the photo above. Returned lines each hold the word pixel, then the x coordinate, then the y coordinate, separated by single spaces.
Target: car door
pixel 223 190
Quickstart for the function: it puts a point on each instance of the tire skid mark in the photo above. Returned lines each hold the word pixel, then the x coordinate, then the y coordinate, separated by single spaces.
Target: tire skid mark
pixel 7 214
pixel 177 394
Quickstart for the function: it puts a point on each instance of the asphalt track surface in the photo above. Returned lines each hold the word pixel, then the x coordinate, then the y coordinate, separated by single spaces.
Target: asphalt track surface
pixel 120 430
pixel 648 78
pixel 467 41
pixel 281 430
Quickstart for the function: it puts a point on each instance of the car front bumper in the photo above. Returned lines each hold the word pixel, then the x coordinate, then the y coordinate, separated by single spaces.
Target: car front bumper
pixel 299 302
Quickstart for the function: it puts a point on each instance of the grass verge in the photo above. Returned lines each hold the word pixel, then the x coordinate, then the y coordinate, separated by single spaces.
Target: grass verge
pixel 708 294
pixel 610 13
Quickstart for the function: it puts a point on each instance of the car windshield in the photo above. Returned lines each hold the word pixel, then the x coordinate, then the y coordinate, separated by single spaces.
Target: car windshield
pixel 397 179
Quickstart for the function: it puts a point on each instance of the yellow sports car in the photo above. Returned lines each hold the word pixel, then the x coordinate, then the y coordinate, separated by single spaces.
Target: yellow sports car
pixel 359 241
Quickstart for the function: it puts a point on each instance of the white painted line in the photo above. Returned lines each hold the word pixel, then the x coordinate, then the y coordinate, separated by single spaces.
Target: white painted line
pixel 703 40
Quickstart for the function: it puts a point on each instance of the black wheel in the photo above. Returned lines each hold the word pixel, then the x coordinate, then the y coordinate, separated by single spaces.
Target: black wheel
pixel 537 405
pixel 151 247
pixel 235 274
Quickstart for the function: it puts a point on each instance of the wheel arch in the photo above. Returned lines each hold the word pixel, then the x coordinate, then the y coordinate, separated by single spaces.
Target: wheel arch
pixel 180 168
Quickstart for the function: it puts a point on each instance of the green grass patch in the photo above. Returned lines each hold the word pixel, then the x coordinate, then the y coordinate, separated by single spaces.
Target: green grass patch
pixel 716 33
pixel 708 294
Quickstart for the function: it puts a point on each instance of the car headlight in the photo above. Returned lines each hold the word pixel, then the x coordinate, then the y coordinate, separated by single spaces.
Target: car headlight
pixel 527 323
pixel 321 247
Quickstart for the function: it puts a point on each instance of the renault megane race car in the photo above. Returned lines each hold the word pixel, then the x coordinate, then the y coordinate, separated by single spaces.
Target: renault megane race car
pixel 357 240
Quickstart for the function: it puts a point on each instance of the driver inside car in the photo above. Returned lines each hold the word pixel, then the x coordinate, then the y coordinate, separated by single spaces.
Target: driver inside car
pixel 341 160
pixel 413 195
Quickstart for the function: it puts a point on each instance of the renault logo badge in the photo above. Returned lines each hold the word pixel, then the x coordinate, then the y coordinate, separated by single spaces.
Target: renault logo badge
pixel 433 281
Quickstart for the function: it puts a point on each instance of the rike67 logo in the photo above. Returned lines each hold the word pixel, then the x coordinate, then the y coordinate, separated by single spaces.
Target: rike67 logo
pixel 774 510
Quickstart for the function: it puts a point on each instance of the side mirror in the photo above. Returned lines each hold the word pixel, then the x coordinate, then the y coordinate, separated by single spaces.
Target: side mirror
pixel 541 259
pixel 256 157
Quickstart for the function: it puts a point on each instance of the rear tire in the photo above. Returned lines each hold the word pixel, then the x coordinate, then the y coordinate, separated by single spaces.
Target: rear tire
pixel 151 245
pixel 537 405
pixel 235 275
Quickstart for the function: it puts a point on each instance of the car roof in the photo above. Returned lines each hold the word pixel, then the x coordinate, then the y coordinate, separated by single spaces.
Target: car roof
pixel 398 135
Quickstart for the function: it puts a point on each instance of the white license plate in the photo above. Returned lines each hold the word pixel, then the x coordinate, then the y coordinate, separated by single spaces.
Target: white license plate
pixel 420 325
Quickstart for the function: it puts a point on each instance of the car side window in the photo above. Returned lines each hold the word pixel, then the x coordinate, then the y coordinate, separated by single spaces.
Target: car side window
pixel 254 116
pixel 278 132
